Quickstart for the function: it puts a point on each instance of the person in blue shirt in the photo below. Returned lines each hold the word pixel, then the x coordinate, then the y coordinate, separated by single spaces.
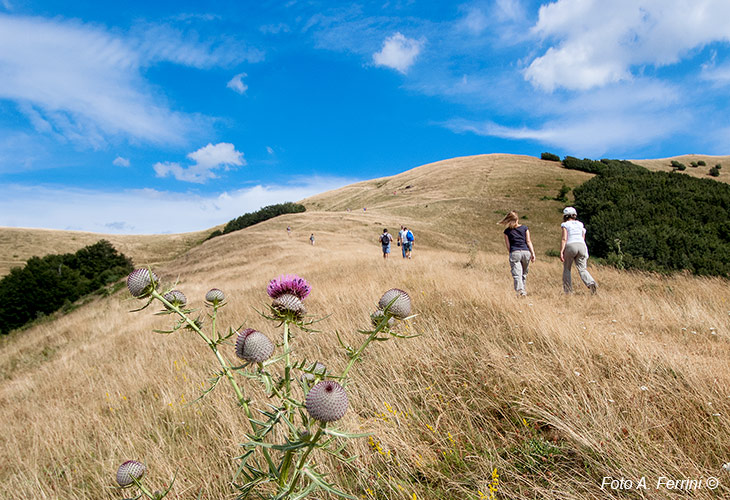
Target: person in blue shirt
pixel 520 250
pixel 408 242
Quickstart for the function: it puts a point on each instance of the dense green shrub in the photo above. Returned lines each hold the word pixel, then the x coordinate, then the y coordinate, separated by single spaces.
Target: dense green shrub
pixel 549 157
pixel 664 221
pixel 563 194
pixel 46 284
pixel 714 171
pixel 266 213
pixel 701 163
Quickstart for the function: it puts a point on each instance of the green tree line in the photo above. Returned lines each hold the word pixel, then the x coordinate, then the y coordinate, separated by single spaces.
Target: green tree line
pixel 47 283
pixel 261 215
pixel 656 221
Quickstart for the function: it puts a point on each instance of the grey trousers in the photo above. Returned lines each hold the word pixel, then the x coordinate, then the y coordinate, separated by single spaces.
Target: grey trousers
pixel 578 253
pixel 519 261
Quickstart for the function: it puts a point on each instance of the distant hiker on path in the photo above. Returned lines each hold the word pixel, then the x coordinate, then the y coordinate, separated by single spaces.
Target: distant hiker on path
pixel 288 230
pixel 311 239
pixel 519 248
pixel 408 242
pixel 402 240
pixel 573 249
pixel 385 240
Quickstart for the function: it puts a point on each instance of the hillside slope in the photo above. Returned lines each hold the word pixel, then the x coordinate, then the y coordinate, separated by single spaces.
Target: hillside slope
pixel 553 392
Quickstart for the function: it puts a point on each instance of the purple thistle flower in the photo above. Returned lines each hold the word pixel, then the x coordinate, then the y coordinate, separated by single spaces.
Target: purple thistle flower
pixel 129 471
pixel 326 401
pixel 288 283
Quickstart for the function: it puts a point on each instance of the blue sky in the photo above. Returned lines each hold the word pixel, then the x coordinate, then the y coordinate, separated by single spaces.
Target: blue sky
pixel 157 117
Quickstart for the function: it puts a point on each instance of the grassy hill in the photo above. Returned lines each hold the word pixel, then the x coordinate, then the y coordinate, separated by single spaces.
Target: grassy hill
pixel 553 392
pixel 17 245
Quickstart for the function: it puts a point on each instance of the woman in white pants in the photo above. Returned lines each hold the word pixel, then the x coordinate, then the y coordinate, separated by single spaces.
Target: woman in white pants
pixel 573 250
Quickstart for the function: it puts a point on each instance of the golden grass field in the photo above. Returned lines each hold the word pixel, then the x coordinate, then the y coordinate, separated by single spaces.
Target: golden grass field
pixel 553 392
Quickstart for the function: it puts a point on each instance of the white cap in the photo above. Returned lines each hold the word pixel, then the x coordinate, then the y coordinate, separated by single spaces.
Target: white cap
pixel 569 211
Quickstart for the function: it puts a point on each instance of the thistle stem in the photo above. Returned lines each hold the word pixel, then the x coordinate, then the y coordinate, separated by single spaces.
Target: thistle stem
pixel 303 459
pixel 224 365
pixel 356 355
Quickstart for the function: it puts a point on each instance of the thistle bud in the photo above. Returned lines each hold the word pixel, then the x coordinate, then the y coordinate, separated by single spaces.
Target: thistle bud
pixel 141 282
pixel 253 346
pixel 378 316
pixel 129 471
pixel 215 296
pixel 316 369
pixel 288 303
pixel 401 308
pixel 326 401
pixel 176 298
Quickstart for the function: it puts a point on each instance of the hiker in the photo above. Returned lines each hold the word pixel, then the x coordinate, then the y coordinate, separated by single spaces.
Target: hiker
pixel 311 239
pixel 573 249
pixel 520 250
pixel 288 230
pixel 402 240
pixel 385 240
pixel 408 242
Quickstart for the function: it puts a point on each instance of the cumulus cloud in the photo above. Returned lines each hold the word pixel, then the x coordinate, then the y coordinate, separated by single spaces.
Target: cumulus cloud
pixel 398 52
pixel 121 162
pixel 85 84
pixel 205 161
pixel 128 212
pixel 236 83
pixel 597 43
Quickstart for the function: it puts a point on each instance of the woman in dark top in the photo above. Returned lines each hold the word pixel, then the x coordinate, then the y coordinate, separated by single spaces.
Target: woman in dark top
pixel 519 247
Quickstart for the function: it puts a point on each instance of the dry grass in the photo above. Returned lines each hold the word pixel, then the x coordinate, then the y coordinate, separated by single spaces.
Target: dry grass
pixel 554 392
pixel 665 165
pixel 17 245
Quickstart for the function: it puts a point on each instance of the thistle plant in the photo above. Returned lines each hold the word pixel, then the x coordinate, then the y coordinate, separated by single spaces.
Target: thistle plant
pixel 305 400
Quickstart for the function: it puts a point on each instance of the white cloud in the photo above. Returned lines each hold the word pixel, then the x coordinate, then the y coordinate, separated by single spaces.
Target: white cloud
pixel 82 83
pixel 598 42
pixel 206 161
pixel 236 83
pixel 144 211
pixel 398 52
pixel 270 150
pixel 610 119
pixel 121 162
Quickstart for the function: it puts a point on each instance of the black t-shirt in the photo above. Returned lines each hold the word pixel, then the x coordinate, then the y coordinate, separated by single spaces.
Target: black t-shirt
pixel 517 238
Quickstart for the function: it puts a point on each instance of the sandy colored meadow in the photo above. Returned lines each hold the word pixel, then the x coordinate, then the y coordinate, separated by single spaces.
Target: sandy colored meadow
pixel 552 392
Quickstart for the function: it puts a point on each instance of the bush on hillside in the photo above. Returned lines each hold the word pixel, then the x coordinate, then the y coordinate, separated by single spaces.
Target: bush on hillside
pixel 549 157
pixel 714 171
pixel 563 194
pixel 261 215
pixel 664 221
pixel 701 163
pixel 47 283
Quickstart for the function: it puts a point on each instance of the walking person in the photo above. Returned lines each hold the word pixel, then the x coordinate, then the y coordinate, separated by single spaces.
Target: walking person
pixel 408 242
pixel 401 240
pixel 520 250
pixel 385 240
pixel 573 249
pixel 288 230
pixel 311 239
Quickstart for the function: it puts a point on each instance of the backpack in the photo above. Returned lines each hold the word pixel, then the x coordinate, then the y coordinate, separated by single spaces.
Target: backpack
pixel 385 239
pixel 409 236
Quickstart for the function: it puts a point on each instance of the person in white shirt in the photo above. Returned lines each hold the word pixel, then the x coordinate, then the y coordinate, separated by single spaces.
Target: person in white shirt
pixel 402 239
pixel 573 249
